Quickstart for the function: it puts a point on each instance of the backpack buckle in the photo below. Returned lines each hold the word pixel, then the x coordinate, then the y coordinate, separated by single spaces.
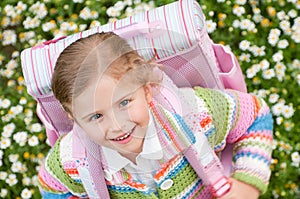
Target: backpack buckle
pixel 221 187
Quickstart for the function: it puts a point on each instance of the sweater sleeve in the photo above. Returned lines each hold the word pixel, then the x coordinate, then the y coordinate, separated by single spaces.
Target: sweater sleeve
pixel 56 177
pixel 245 121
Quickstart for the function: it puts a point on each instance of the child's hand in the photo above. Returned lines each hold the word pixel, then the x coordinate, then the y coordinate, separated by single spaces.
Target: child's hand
pixel 241 190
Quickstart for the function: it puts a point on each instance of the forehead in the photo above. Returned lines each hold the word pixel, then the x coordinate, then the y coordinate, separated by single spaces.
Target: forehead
pixel 107 90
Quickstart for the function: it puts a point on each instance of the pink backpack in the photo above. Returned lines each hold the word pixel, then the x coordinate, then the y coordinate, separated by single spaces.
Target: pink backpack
pixel 175 34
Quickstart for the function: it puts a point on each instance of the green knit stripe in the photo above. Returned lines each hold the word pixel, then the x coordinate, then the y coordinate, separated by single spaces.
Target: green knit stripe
pixel 133 194
pixel 182 179
pixel 53 162
pixel 252 180
pixel 218 107
pixel 45 188
pixel 253 143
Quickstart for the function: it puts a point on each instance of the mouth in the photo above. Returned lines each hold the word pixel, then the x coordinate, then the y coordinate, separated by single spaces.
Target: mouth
pixel 125 138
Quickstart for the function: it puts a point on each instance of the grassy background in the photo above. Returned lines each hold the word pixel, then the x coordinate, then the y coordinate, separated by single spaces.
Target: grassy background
pixel 264 35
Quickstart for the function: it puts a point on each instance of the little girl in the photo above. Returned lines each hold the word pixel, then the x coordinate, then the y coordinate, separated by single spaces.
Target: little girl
pixel 114 96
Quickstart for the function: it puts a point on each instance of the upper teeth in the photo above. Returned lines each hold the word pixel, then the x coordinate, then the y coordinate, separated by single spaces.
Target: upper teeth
pixel 124 136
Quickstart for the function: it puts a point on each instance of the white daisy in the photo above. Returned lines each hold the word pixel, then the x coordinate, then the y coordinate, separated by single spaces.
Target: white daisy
pixel 279 120
pixel 295 158
pixel 3 193
pixel 36 127
pixel 20 138
pixel 20 7
pixel 94 24
pixel 9 128
pixel 282 44
pixel 82 27
pixel 22 101
pixel 129 11
pixel 128 2
pixel 13 157
pixel 39 9
pixel 280 75
pixel 296 37
pixel 287 111
pixel 6 21
pixel 11 180
pixel 10 11
pixel 281 15
pixel 244 45
pixel 246 24
pixel 292 13
pixel 241 2
pixel 288 125
pixel 264 64
pixel 236 23
pixel 113 12
pixel 251 72
pixel 244 57
pixel 285 25
pixel 3 175
pixel 5 103
pixel 33 141
pixel 94 14
pixel 238 10
pixel 278 56
pixel 272 39
pixel 277 109
pixel 85 13
pixel 26 193
pixel 9 37
pixel 211 26
pixel 257 18
pixel 119 5
pixel 16 167
pixel 26 181
pixel 49 26
pixel 4 142
pixel 268 74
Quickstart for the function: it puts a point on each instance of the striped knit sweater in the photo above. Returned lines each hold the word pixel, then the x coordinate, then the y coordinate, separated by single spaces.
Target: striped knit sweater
pixel 226 117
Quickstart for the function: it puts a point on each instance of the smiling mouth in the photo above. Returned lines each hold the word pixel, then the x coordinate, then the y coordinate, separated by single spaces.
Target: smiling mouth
pixel 124 136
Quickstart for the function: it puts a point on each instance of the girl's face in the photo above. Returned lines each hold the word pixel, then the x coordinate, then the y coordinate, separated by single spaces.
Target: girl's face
pixel 114 114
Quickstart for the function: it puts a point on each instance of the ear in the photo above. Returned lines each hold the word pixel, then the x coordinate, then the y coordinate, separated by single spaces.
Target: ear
pixel 70 116
pixel 148 92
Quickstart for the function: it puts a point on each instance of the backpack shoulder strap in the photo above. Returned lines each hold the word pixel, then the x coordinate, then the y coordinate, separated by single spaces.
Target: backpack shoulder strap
pixel 209 168
pixel 54 117
pixel 92 175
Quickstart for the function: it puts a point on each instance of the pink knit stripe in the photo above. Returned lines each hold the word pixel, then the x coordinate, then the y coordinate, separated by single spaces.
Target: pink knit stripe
pixel 244 115
pixel 50 181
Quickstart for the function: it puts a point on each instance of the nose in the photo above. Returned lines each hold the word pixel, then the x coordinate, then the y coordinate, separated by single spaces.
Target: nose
pixel 113 124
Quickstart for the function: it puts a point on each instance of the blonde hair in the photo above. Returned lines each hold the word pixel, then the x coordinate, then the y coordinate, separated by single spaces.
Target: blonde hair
pixel 97 54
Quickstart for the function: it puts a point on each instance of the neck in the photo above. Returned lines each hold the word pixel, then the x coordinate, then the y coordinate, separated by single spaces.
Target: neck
pixel 130 156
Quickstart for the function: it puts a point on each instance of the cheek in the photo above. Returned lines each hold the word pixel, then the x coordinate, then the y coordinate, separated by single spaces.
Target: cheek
pixel 139 114
pixel 94 132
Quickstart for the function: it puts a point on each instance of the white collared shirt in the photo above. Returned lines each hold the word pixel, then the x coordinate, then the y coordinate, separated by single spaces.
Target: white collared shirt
pixel 146 162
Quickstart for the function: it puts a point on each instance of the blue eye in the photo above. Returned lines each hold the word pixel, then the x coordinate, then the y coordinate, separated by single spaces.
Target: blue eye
pixel 96 116
pixel 124 103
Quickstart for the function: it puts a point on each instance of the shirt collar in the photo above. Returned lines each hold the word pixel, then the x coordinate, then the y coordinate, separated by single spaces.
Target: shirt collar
pixel 151 150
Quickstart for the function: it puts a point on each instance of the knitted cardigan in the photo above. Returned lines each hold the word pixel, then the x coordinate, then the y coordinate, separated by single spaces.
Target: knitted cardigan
pixel 230 117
